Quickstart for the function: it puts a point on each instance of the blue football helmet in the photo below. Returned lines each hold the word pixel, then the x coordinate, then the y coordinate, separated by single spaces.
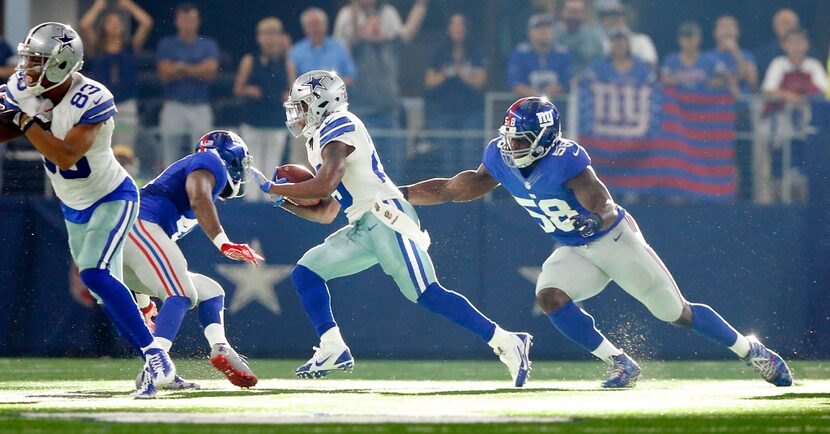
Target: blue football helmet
pixel 234 153
pixel 533 119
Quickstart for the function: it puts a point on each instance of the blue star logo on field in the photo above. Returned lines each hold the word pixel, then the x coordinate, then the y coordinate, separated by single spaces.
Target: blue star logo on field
pixel 314 83
pixel 66 41
pixel 254 284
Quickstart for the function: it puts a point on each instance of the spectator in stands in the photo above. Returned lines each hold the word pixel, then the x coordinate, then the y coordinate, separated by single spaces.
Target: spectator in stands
pixel 733 67
pixel 613 16
pixel 687 68
pixel 783 22
pixel 320 51
pixel 621 66
pixel 581 37
pixel 263 80
pixel 455 100
pixel 373 32
pixel 111 54
pixel 795 76
pixel 539 66
pixel 187 63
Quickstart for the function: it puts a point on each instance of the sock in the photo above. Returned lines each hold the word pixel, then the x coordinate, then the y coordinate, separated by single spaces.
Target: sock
pixel 314 294
pixel 456 308
pixel 332 336
pixel 211 316
pixel 121 330
pixel 499 335
pixel 578 326
pixel 120 303
pixel 165 343
pixel 170 317
pixel 707 323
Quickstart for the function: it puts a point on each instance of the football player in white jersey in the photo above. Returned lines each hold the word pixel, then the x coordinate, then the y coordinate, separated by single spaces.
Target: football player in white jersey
pixel 383 229
pixel 69 120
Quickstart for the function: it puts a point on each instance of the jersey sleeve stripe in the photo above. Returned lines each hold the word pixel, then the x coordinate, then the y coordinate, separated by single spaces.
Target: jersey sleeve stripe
pixel 12 105
pixel 333 125
pixel 97 110
pixel 10 96
pixel 336 133
pixel 97 119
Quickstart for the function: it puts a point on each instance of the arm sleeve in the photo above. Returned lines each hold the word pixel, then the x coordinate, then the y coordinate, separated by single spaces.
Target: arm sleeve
pixel 165 50
pixel 491 153
pixel 772 81
pixel 99 107
pixel 212 49
pixel 212 163
pixel 571 163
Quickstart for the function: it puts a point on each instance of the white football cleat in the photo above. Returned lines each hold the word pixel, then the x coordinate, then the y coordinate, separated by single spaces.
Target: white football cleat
pixel 326 359
pixel 178 383
pixel 515 353
pixel 161 367
pixel 145 389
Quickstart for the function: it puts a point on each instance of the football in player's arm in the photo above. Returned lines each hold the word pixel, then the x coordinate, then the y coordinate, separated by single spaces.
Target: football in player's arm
pixel 320 187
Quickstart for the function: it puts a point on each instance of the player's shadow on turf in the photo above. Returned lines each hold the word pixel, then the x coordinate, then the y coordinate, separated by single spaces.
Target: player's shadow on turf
pixel 787 396
pixel 84 394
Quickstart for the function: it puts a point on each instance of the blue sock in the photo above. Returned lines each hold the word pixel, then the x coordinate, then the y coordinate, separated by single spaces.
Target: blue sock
pixel 577 325
pixel 314 294
pixel 456 308
pixel 210 310
pixel 120 302
pixel 170 317
pixel 710 325
pixel 122 330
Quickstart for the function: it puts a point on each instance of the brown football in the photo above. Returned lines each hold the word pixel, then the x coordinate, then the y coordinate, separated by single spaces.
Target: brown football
pixel 297 173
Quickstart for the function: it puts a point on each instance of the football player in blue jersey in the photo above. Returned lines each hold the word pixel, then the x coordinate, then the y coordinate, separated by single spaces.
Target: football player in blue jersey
pixel 552 178
pixel 172 205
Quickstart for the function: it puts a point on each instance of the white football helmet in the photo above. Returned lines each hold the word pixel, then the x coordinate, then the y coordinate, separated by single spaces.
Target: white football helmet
pixel 52 49
pixel 314 95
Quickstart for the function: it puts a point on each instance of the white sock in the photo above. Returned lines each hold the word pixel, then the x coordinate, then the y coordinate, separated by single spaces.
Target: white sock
pixel 153 345
pixel 499 335
pixel 165 343
pixel 332 336
pixel 215 334
pixel 741 346
pixel 606 350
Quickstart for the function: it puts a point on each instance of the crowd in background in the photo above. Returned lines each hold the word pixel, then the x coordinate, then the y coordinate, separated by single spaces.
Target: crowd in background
pixel 576 40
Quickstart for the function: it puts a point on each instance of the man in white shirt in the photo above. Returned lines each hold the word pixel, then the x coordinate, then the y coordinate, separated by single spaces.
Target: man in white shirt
pixel 613 17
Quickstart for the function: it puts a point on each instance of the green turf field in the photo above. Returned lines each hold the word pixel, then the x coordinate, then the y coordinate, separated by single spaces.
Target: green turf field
pixel 73 395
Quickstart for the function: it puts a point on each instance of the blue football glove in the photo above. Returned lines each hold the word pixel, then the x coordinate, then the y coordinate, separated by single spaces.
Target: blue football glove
pixel 265 185
pixel 587 225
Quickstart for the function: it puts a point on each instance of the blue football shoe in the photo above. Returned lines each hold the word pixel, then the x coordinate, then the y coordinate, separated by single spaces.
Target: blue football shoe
pixel 515 353
pixel 161 367
pixel 146 389
pixel 623 372
pixel 326 359
pixel 768 364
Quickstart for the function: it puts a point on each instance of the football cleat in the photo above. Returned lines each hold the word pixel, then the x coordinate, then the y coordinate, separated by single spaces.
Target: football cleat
pixel 515 353
pixel 160 366
pixel 144 389
pixel 326 359
pixel 234 366
pixel 623 372
pixel 178 383
pixel 768 364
